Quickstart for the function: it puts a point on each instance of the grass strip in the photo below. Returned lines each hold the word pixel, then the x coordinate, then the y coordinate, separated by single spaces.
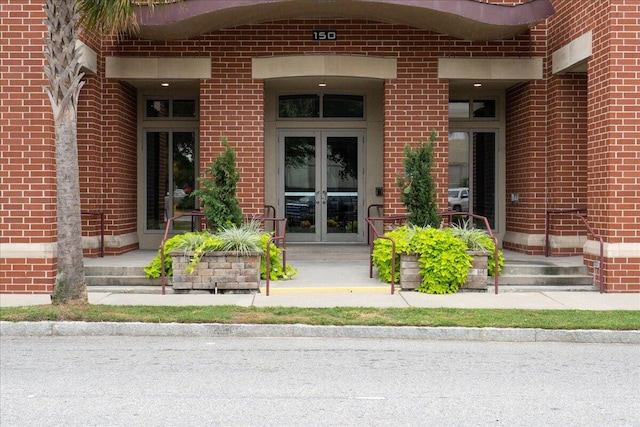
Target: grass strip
pixel 339 316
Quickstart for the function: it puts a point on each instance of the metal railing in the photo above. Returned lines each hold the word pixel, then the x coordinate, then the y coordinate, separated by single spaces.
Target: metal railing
pixel 384 221
pixel 193 215
pixel 496 252
pixel 580 213
pixel 280 231
pixel 395 220
pixel 279 235
pixel 101 215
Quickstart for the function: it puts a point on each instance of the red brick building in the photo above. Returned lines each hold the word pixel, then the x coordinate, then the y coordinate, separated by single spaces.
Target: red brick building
pixel 535 103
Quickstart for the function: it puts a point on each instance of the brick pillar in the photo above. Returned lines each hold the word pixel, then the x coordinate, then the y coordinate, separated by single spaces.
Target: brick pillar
pixel 232 106
pixel 526 140
pixel 567 161
pixel 613 168
pixel 415 103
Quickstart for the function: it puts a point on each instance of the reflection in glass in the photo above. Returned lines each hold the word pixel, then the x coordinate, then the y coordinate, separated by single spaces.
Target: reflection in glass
pixel 345 106
pixel 157 192
pixel 299 106
pixel 458 109
pixel 157 108
pixel 342 184
pixel 184 108
pixel 300 184
pixel 484 108
pixel 170 178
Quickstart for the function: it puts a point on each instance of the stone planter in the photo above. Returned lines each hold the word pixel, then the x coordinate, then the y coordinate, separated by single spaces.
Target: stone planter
pixel 478 273
pixel 217 272
pixel 410 277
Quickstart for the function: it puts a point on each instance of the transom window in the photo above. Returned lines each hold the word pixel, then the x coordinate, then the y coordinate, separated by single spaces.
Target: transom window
pixel 472 109
pixel 315 106
pixel 170 108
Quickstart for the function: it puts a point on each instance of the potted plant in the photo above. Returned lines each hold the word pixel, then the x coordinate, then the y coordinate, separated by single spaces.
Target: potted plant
pixel 482 248
pixel 231 259
pixel 440 262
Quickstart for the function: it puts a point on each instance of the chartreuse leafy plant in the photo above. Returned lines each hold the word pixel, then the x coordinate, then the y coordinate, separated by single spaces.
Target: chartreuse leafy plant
pixel 245 239
pixel 478 240
pixel 275 261
pixel 442 258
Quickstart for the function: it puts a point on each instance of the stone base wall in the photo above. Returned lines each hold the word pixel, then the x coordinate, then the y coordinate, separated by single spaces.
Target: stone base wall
pixel 410 277
pixel 478 273
pixel 217 271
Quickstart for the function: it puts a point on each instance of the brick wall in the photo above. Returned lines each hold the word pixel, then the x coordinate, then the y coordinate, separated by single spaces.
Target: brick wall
pixel 231 102
pixel 27 160
pixel 613 125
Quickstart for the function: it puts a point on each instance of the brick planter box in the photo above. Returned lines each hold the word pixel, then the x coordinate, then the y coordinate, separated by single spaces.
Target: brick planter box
pixel 217 271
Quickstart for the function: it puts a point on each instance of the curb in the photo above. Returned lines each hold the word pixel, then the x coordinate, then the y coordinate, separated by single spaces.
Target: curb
pixel 70 329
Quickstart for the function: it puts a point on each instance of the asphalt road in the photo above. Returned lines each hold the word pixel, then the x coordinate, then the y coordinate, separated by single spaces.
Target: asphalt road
pixel 181 381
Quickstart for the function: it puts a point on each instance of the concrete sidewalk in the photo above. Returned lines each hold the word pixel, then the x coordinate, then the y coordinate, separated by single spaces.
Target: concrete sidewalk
pixel 355 297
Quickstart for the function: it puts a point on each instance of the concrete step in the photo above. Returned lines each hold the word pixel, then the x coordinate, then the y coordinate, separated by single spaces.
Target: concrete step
pixel 543 270
pixel 119 280
pixel 125 289
pixel 542 288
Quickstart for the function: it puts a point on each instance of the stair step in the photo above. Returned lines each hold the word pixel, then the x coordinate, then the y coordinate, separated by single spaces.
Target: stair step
pixel 543 270
pixel 118 280
pixel 540 288
pixel 113 270
pixel 123 289
pixel 546 280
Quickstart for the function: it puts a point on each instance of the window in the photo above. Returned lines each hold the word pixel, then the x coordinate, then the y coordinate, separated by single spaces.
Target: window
pixel 472 109
pixel 312 106
pixel 170 108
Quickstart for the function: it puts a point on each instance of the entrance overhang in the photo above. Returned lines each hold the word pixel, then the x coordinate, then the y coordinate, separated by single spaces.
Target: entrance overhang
pixel 496 72
pixel 464 19
pixel 274 67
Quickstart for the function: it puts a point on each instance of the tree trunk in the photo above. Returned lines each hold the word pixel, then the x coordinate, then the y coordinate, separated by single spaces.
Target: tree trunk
pixel 65 83
pixel 70 284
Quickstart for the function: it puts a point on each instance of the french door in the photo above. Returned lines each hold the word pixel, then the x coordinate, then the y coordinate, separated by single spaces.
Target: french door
pixel 321 182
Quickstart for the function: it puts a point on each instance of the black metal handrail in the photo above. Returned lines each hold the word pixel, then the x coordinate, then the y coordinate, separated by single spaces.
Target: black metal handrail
pixel 580 213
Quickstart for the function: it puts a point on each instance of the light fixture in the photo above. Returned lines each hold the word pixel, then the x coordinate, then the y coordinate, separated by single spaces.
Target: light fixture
pixel 322 84
pixel 165 84
pixel 477 85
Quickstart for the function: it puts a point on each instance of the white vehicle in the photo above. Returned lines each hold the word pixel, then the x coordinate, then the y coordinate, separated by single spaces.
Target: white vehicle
pixel 459 199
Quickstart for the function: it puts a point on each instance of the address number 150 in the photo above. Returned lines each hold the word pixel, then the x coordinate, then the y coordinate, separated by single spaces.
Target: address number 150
pixel 325 35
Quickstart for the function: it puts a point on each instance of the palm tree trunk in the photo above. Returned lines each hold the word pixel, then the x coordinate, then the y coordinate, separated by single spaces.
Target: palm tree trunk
pixel 65 77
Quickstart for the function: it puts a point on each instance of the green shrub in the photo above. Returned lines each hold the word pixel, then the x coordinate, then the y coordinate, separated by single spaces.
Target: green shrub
pixel 418 188
pixel 218 193
pixel 442 258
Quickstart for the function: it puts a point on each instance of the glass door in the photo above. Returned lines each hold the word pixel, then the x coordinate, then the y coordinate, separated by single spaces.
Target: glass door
pixel 170 177
pixel 321 185
pixel 473 173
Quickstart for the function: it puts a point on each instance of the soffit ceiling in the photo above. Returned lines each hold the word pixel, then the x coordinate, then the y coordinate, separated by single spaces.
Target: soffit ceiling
pixel 464 19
